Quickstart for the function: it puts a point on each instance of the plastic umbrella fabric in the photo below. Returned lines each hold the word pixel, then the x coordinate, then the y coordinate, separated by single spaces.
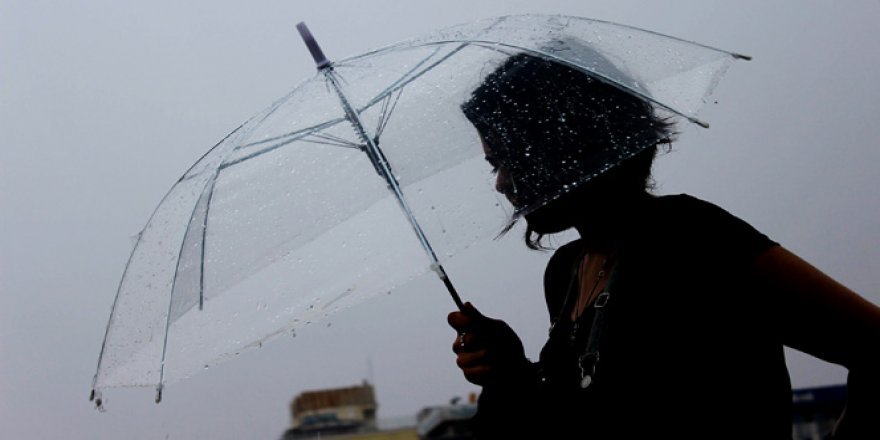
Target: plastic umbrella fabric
pixel 310 206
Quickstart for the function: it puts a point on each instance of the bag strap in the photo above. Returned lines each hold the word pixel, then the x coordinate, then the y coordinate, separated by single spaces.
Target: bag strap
pixel 590 358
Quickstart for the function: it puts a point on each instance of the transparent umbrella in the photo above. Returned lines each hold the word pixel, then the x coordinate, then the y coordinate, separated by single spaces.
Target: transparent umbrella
pixel 358 180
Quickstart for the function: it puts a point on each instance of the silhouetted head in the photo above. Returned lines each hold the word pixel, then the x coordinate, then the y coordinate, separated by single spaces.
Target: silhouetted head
pixel 560 138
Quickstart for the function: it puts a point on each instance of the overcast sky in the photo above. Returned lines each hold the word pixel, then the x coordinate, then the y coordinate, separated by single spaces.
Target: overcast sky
pixel 103 104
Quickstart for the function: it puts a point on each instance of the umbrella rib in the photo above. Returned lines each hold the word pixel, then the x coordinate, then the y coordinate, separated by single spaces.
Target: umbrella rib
pixel 329 139
pixel 204 241
pixel 412 44
pixel 347 144
pixel 410 77
pixel 382 115
pixel 95 394
pixel 383 95
pixel 494 45
pixel 386 112
pixel 301 132
pixel 210 189
pixel 289 138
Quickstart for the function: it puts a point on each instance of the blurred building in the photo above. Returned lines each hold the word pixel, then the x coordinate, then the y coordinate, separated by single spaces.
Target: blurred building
pixel 333 412
pixel 350 413
pixel 447 422
pixel 815 410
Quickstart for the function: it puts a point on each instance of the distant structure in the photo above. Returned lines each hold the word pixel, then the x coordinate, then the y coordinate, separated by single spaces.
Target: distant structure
pixel 350 414
pixel 333 412
pixel 447 422
pixel 815 410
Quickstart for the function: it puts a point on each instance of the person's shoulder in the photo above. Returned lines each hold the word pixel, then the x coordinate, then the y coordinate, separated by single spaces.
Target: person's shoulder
pixel 566 252
pixel 562 259
pixel 704 223
pixel 685 210
pixel 683 202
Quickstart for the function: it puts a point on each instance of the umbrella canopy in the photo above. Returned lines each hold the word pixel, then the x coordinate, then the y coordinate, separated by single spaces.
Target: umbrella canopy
pixel 290 217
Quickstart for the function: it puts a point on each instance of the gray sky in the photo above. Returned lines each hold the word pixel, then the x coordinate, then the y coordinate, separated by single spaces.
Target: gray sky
pixel 104 104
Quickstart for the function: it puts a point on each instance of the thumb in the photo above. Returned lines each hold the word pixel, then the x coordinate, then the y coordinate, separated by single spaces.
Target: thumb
pixel 470 310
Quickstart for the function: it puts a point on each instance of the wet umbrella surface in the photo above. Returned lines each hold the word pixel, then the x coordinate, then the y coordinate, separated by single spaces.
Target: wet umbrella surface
pixel 358 180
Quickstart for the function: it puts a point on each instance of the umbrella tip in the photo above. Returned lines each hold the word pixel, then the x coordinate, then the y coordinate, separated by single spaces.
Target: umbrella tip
pixel 703 124
pixel 317 54
pixel 95 396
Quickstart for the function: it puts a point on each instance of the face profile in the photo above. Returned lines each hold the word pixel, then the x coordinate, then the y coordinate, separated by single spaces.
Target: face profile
pixel 559 138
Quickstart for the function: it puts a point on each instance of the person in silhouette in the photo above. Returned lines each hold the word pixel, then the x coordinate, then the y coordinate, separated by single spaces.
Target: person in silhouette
pixel 668 315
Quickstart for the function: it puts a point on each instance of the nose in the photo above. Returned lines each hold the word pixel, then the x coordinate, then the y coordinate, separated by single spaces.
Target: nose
pixel 504 184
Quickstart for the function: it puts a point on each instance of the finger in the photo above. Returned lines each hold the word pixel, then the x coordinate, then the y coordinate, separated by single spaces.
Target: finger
pixel 459 344
pixel 456 319
pixel 470 310
pixel 464 342
pixel 460 321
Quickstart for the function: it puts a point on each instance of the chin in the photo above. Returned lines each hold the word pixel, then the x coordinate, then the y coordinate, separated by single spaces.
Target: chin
pixel 541 223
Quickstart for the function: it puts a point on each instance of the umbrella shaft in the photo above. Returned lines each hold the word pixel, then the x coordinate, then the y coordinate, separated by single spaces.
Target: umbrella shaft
pixel 377 157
